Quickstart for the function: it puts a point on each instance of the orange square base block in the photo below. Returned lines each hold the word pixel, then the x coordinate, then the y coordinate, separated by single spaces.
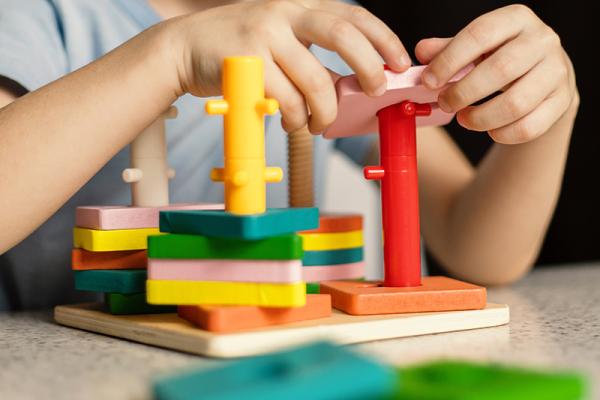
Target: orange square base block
pixel 227 319
pixel 436 293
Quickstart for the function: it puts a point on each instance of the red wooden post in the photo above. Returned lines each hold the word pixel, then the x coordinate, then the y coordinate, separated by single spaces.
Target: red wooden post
pixel 399 192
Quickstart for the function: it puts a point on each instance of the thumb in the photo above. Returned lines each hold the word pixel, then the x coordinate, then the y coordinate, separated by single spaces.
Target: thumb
pixel 427 49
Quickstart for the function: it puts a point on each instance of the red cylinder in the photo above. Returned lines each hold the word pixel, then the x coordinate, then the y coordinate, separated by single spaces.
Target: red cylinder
pixel 399 192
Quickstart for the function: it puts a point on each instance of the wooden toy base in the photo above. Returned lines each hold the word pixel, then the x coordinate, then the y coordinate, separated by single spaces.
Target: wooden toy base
pixel 170 331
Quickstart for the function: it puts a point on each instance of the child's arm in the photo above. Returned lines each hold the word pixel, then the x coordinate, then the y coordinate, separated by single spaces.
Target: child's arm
pixel 487 225
pixel 54 139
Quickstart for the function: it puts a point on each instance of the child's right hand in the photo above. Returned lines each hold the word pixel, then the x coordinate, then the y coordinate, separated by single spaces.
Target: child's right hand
pixel 280 32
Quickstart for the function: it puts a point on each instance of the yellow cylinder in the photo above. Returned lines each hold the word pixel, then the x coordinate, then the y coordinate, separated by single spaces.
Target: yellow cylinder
pixel 244 106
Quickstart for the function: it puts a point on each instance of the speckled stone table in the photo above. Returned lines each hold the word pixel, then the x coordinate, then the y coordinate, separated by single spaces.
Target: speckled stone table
pixel 555 323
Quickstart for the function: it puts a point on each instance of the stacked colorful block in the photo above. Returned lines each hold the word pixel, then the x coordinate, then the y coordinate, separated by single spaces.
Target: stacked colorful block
pixel 232 272
pixel 333 251
pixel 109 254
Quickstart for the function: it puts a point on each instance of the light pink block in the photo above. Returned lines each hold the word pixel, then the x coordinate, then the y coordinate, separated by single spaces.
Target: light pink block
pixel 357 111
pixel 334 272
pixel 272 271
pixel 108 218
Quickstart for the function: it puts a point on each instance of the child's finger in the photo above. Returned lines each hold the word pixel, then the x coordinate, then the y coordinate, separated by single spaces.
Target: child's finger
pixel 520 99
pixel 427 49
pixel 294 113
pixel 311 78
pixel 535 123
pixel 504 66
pixel 337 34
pixel 481 36
pixel 385 41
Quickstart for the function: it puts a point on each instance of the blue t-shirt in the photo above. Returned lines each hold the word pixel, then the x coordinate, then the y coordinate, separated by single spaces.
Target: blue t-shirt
pixel 42 40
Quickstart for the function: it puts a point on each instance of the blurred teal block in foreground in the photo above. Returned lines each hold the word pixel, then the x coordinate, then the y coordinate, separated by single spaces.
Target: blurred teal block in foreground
pixel 320 371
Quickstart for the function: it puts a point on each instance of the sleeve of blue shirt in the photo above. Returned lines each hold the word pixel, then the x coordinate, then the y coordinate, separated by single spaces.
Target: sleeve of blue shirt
pixel 31 47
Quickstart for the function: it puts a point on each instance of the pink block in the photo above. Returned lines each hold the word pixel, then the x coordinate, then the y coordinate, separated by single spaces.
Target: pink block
pixel 274 271
pixel 334 272
pixel 108 218
pixel 357 111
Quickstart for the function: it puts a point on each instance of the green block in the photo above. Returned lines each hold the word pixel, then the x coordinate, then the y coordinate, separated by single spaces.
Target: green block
pixel 124 304
pixel 178 246
pixel 124 281
pixel 313 288
pixel 273 222
pixel 319 371
pixel 332 257
pixel 453 380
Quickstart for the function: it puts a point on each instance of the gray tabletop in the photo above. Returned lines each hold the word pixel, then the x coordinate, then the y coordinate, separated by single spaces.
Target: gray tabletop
pixel 554 324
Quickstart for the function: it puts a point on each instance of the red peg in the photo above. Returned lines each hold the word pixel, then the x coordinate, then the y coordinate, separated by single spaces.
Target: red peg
pixel 399 192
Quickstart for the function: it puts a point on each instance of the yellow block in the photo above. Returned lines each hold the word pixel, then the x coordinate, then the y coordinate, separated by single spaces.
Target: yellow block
pixel 331 241
pixel 244 106
pixel 225 293
pixel 114 240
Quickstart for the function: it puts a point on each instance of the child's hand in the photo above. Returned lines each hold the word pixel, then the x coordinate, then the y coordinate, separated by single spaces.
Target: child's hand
pixel 280 32
pixel 519 55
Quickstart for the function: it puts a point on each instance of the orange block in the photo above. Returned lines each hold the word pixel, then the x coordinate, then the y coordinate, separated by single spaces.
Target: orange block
pixel 129 259
pixel 226 319
pixel 338 222
pixel 436 293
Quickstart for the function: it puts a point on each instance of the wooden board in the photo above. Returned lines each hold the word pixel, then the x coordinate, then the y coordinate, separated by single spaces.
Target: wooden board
pixel 168 330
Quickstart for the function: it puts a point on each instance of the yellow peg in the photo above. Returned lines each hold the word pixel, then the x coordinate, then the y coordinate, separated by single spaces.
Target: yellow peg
pixel 244 106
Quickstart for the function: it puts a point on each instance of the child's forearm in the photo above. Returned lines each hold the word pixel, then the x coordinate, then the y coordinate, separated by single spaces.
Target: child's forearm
pixel 53 140
pixel 516 187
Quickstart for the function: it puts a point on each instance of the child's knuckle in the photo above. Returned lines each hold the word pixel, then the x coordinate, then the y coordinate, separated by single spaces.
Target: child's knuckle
pixel 515 104
pixel 522 11
pixel 359 14
pixel 340 31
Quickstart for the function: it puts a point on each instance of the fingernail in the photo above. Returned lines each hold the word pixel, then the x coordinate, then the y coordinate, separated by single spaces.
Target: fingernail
pixel 380 90
pixel 444 105
pixel 405 60
pixel 430 80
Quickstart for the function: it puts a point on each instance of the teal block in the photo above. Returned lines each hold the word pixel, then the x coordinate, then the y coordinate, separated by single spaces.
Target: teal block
pixel 453 380
pixel 273 222
pixel 129 304
pixel 332 257
pixel 124 281
pixel 320 371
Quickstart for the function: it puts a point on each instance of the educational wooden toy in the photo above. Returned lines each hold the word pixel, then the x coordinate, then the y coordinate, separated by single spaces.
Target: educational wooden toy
pixel 436 293
pixel 126 259
pixel 449 379
pixel 333 272
pixel 312 371
pixel 115 240
pixel 107 218
pixel 124 281
pixel 396 113
pixel 337 222
pixel 170 331
pixel 135 303
pixel 331 241
pixel 274 221
pixel 226 293
pixel 243 107
pixel 149 173
pixel 284 247
pixel 332 257
pixel 228 319
pixel 271 271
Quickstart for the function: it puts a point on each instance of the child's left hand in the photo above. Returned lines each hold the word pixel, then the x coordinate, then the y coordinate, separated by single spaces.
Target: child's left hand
pixel 518 55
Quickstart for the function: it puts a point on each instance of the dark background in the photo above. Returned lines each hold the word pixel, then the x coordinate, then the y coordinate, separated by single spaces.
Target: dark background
pixel 574 234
